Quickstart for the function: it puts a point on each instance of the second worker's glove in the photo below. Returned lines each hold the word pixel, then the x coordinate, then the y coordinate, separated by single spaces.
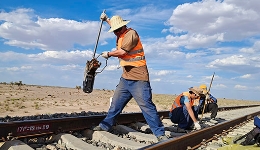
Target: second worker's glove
pixel 197 125
pixel 103 16
pixel 105 54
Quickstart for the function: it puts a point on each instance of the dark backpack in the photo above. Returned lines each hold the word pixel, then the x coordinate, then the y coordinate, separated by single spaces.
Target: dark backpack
pixel 253 136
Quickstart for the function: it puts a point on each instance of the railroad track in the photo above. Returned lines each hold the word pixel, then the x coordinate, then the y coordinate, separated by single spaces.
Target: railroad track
pixel 130 133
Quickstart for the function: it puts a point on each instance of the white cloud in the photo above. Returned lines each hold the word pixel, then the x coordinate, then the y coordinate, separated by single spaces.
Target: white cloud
pixel 251 50
pixel 232 60
pixel 240 87
pixel 246 76
pixel 53 34
pixel 189 76
pixel 112 67
pixel 65 55
pixel 11 56
pixel 156 80
pixel 227 18
pixel 192 55
pixel 22 68
pixel 220 86
pixel 210 77
pixel 247 50
pixel 163 72
pixel 26 67
pixel 62 57
pixel 69 67
pixel 13 69
pixel 221 50
pixel 191 41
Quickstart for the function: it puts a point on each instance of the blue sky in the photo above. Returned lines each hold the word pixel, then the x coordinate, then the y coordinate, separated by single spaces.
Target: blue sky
pixel 48 43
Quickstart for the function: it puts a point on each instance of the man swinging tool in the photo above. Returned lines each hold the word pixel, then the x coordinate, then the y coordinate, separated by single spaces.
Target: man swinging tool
pixel 91 68
pixel 134 82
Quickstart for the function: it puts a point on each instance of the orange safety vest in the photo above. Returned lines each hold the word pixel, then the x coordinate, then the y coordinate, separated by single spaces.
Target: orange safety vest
pixel 177 102
pixel 134 57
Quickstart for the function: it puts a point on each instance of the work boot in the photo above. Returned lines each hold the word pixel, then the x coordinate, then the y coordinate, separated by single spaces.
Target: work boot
pixel 213 120
pixel 97 128
pixel 162 138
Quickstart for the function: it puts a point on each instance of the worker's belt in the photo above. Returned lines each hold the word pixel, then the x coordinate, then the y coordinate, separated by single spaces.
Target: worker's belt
pixel 135 59
pixel 135 52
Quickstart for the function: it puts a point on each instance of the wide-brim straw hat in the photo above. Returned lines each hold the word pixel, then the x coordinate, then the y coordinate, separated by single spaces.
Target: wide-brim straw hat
pixel 117 22
pixel 196 90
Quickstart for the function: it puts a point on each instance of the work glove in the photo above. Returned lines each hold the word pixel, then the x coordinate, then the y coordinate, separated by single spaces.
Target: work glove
pixel 197 125
pixel 103 16
pixel 105 54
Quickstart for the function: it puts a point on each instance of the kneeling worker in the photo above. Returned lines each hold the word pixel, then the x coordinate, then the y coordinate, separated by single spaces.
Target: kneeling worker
pixel 211 103
pixel 183 112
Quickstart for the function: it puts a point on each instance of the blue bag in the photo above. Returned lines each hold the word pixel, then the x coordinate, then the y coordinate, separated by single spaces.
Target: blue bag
pixel 257 122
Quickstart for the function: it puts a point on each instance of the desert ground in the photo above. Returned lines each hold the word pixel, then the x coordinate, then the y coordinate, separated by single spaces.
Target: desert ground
pixel 27 100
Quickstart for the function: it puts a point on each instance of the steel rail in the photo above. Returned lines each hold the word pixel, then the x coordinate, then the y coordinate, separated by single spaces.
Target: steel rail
pixel 235 107
pixel 192 140
pixel 20 129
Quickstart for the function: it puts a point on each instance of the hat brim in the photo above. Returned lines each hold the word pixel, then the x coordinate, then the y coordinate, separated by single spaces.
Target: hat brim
pixel 194 91
pixel 118 26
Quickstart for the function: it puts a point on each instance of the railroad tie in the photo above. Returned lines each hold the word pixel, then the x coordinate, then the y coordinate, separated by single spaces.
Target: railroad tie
pixel 15 145
pixel 137 135
pixel 73 142
pixel 112 139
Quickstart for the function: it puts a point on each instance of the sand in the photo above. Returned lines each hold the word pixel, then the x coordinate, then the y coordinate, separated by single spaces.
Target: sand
pixel 29 100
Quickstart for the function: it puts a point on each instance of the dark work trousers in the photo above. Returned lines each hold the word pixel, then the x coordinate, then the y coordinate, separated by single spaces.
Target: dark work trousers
pixel 181 116
pixel 211 107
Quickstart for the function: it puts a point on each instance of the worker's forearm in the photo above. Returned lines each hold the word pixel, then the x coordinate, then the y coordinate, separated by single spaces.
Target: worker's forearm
pixel 117 53
pixel 108 21
pixel 190 111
